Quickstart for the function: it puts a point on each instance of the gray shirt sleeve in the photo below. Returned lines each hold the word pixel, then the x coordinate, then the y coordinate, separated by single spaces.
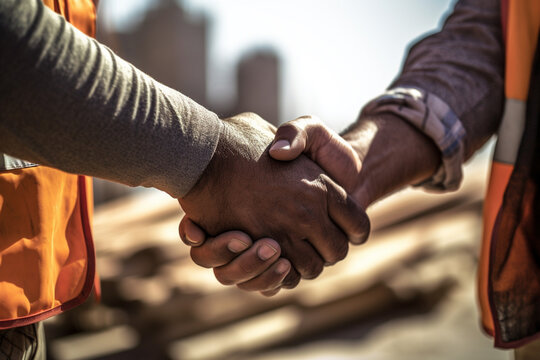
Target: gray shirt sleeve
pixel 463 65
pixel 68 102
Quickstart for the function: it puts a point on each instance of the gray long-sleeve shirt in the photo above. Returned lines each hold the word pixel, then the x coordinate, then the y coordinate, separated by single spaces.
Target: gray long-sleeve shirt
pixel 68 102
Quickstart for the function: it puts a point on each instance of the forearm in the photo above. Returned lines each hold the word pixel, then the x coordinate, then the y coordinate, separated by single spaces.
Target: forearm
pixel 70 103
pixel 394 155
pixel 444 105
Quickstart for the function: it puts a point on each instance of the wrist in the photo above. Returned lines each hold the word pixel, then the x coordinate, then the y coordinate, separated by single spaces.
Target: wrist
pixel 394 155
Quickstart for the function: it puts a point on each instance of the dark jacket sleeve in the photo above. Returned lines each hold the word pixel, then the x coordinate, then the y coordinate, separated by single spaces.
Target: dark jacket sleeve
pixel 463 65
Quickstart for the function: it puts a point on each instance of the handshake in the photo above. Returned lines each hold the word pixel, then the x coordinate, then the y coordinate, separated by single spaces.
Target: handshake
pixel 277 205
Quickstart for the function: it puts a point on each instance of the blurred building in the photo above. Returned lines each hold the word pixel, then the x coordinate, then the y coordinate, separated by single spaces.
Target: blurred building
pixel 169 45
pixel 258 85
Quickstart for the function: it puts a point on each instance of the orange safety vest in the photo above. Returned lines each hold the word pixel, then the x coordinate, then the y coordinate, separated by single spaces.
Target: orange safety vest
pixel 509 273
pixel 47 261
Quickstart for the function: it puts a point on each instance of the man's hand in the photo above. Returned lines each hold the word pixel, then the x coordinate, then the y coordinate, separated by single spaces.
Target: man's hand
pixel 256 269
pixel 295 203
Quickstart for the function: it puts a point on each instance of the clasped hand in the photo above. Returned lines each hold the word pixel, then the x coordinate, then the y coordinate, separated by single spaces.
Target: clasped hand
pixel 278 188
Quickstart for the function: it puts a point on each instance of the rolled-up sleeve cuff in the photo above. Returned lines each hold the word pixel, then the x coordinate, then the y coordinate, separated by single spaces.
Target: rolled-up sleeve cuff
pixel 433 117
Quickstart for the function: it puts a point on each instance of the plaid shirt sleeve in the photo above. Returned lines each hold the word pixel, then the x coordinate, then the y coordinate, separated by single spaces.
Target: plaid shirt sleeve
pixel 432 116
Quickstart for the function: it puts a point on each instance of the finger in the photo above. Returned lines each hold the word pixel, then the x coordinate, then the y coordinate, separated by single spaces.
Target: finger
pixel 308 135
pixel 330 241
pixel 324 242
pixel 250 264
pixel 269 293
pixel 190 233
pixel 220 250
pixel 346 213
pixel 289 141
pixel 270 279
pixel 291 280
pixel 305 259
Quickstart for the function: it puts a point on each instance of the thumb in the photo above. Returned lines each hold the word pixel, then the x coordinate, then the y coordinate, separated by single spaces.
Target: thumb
pixel 290 141
pixel 321 144
pixel 190 233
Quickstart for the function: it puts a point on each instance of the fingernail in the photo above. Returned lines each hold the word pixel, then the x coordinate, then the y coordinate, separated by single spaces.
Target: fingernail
pixel 266 252
pixel 281 145
pixel 236 245
pixel 191 241
pixel 282 268
pixel 357 240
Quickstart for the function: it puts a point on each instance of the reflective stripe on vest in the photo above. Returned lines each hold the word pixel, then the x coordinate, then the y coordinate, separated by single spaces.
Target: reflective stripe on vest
pixel 47 261
pixel 10 163
pixel 510 132
pixel 521 24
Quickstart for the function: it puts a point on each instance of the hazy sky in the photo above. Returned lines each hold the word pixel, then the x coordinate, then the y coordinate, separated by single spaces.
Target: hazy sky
pixel 337 54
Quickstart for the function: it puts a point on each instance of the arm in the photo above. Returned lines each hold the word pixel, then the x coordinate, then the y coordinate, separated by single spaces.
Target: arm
pixel 444 105
pixel 460 74
pixel 70 103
